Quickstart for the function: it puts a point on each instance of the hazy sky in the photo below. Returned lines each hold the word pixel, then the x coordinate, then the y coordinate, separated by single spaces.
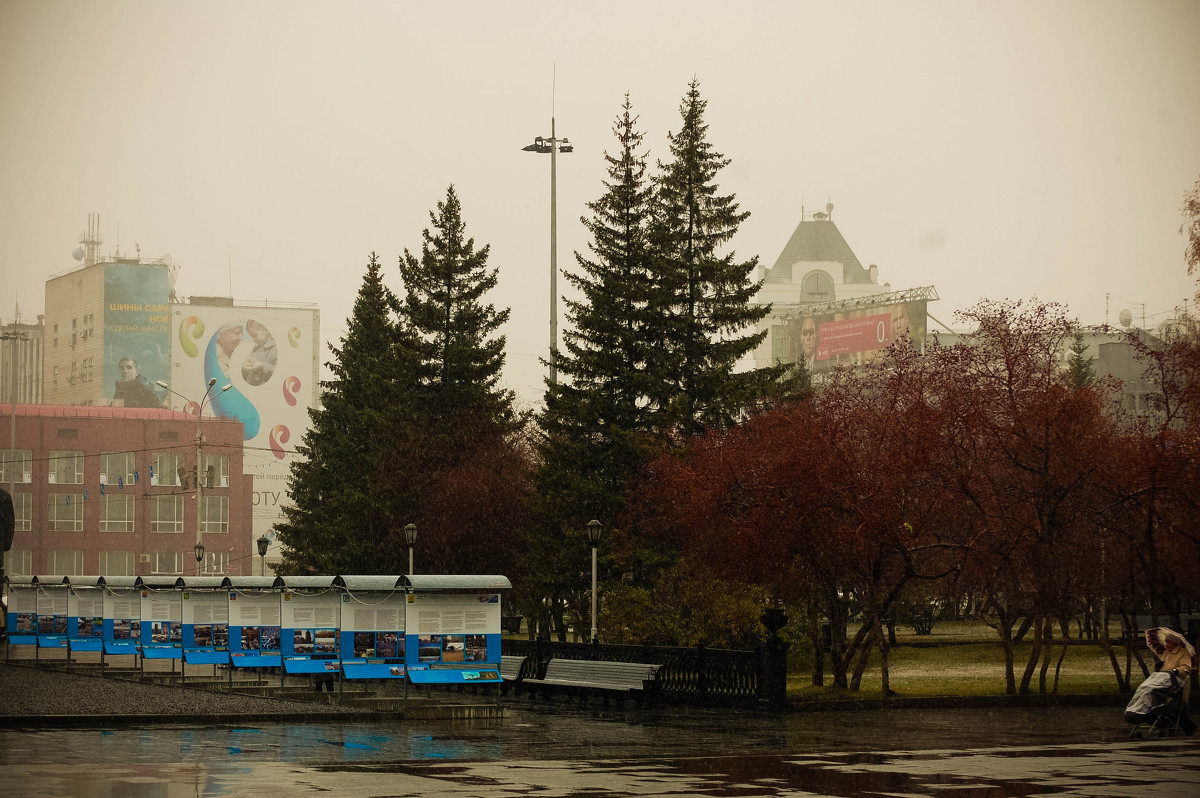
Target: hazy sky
pixel 990 149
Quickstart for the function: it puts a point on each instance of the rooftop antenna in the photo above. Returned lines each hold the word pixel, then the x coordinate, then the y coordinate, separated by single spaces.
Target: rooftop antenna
pixel 1105 308
pixel 229 256
pixel 91 241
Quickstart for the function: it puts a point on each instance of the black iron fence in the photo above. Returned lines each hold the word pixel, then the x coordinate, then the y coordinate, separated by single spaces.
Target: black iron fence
pixel 700 675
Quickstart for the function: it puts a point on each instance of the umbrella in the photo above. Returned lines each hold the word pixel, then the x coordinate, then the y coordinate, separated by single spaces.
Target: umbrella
pixel 1157 638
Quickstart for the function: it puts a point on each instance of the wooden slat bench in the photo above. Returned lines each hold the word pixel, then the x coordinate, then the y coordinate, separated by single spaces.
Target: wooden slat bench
pixel 580 677
pixel 510 672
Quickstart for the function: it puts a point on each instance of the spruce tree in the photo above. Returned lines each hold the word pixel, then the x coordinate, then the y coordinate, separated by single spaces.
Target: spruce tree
pixel 595 425
pixel 471 472
pixel 347 503
pixel 702 293
pixel 461 352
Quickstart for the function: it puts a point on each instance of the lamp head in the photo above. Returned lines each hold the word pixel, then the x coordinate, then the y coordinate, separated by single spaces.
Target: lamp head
pixel 212 381
pixel 410 534
pixel 199 548
pixel 593 532
pixel 162 385
pixel 263 542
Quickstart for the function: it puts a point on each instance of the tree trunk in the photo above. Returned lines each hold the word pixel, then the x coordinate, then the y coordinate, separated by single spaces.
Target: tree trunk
pixel 1034 655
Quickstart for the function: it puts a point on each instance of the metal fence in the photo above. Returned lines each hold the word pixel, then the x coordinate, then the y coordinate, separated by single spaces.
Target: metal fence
pixel 700 675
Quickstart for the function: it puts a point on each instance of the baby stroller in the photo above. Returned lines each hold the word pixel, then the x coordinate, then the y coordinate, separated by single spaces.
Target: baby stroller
pixel 1157 709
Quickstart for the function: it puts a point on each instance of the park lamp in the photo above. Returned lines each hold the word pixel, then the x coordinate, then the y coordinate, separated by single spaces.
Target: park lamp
pixel 410 537
pixel 199 549
pixel 263 542
pixel 593 532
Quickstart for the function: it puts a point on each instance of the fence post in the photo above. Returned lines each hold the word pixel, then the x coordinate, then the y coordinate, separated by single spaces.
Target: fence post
pixel 772 684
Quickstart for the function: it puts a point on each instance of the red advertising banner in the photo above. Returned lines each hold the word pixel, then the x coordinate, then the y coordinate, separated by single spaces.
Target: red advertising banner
pixel 863 334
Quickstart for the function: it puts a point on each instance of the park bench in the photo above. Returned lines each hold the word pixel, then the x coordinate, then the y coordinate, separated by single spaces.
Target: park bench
pixel 510 672
pixel 579 677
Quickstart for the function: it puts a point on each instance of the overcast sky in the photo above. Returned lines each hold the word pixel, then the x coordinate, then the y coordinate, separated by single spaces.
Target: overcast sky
pixel 989 149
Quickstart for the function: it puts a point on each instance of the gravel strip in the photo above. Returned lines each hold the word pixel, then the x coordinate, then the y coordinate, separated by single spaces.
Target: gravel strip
pixel 29 691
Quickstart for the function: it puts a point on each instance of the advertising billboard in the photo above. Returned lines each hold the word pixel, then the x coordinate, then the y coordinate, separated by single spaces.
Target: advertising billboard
pixel 824 340
pixel 137 334
pixel 269 358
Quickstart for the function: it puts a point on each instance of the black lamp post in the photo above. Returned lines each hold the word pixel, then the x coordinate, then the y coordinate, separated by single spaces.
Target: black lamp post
pixel 410 535
pixel 199 550
pixel 593 536
pixel 263 543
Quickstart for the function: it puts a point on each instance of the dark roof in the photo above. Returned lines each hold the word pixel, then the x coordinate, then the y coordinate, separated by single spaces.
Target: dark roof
pixel 814 241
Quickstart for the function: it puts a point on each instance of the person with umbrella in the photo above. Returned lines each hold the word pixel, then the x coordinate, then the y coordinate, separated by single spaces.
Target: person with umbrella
pixel 1175 653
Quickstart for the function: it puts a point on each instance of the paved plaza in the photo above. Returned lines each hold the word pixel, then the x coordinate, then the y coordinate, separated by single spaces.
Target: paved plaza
pixel 566 752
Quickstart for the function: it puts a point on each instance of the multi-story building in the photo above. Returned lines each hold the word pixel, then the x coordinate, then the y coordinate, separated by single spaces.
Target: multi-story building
pixel 113 491
pixel 21 361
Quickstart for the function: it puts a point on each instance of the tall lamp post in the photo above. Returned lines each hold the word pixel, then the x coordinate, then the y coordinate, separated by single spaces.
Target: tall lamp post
pixel 410 535
pixel 553 146
pixel 13 357
pixel 199 547
pixel 263 542
pixel 593 536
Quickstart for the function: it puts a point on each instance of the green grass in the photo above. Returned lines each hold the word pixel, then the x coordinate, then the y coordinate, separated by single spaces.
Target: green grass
pixel 969 662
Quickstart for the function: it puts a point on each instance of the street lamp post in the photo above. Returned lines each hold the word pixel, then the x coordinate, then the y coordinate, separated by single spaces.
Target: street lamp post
pixel 263 543
pixel 553 146
pixel 593 536
pixel 199 547
pixel 410 535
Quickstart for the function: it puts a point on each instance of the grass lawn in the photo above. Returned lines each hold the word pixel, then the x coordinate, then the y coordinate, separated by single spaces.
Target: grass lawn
pixel 969 662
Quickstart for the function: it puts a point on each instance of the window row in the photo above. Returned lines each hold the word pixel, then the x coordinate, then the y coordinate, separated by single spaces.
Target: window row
pixel 68 562
pixel 118 511
pixel 117 468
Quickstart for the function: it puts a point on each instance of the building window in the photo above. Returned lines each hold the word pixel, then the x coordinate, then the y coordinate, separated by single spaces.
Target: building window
pixel 18 562
pixel 117 468
pixel 817 287
pixel 64 512
pixel 216 514
pixel 66 468
pixel 23 511
pixel 216 470
pixel 67 562
pixel 116 513
pixel 16 465
pixel 116 563
pixel 166 562
pixel 215 562
pixel 166 467
pixel 166 514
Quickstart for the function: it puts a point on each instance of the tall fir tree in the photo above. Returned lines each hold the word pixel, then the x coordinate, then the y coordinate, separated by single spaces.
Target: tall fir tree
pixel 461 350
pixel 702 293
pixel 595 423
pixel 472 472
pixel 346 500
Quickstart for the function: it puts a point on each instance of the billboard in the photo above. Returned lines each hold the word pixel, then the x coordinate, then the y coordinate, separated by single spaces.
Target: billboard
pixel 269 357
pixel 137 334
pixel 826 339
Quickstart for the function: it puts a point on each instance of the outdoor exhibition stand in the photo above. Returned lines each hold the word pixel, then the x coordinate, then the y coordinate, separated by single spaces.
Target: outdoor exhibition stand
pixel 422 629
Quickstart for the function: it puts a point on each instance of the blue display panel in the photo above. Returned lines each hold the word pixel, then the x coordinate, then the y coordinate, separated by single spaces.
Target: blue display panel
pixel 254 631
pixel 458 629
pixel 22 615
pixel 161 622
pixel 52 603
pixel 372 640
pixel 205 619
pixel 85 618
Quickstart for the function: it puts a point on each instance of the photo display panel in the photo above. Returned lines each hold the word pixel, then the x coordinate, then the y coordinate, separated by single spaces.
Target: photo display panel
pixel 162 618
pixel 52 609
pixel 455 628
pixel 373 625
pixel 123 616
pixel 206 619
pixel 310 623
pixel 253 621
pixel 85 612
pixel 22 613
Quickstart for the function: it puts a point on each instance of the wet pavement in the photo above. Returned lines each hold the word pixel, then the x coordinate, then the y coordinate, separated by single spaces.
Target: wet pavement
pixel 561 751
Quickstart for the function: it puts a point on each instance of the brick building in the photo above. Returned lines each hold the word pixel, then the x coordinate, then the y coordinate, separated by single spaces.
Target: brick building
pixel 112 491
